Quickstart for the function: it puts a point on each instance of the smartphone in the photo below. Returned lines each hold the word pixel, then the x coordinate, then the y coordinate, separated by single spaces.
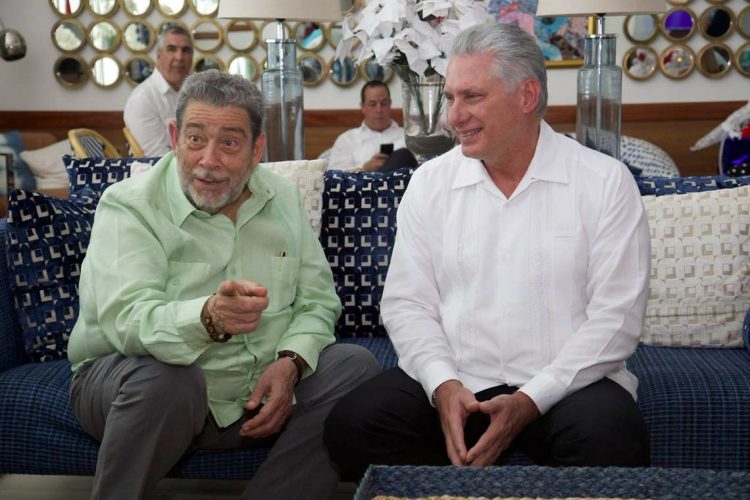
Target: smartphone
pixel 386 149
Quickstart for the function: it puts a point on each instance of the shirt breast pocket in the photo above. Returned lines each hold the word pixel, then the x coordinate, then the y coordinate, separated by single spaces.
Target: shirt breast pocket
pixel 283 286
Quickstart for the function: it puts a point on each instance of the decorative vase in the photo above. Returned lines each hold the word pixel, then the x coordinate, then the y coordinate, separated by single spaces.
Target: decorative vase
pixel 426 130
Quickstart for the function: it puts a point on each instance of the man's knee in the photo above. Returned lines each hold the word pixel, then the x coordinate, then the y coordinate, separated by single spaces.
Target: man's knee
pixel 347 366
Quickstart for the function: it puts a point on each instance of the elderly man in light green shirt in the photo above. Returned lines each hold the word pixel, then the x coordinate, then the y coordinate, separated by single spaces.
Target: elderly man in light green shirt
pixel 206 309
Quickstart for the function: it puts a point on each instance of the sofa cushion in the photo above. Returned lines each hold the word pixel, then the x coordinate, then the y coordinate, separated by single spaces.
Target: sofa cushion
pixel 46 242
pixel 359 228
pixel 97 174
pixel 700 268
pixel 308 176
pixel 11 143
pixel 660 186
pixel 47 166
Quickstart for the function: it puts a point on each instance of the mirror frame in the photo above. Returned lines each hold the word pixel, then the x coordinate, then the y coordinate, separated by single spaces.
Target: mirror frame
pixel 256 74
pixel 629 35
pixel 663 23
pixel 679 3
pixel 738 23
pixel 737 54
pixel 644 48
pixel 78 24
pixel 729 30
pixel 109 13
pixel 219 31
pixel 74 13
pixel 176 14
pixel 132 58
pixel 323 68
pixel 718 2
pixel 355 5
pixel 151 31
pixel 84 66
pixel 363 74
pixel 287 31
pixel 119 68
pixel 118 36
pixel 329 33
pixel 685 48
pixel 199 57
pixel 204 14
pixel 329 73
pixel 254 29
pixel 323 37
pixel 132 14
pixel 725 71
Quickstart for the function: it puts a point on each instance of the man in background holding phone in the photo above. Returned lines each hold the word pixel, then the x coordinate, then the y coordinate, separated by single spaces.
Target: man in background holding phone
pixel 368 146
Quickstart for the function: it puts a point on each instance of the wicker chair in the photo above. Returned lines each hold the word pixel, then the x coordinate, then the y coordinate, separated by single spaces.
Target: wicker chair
pixel 89 143
pixel 134 149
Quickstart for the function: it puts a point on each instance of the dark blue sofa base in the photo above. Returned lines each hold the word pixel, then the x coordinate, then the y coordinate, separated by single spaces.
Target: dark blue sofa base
pixel 689 428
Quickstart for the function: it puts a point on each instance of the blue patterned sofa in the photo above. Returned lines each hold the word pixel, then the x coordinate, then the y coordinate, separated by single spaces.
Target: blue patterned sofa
pixel 696 400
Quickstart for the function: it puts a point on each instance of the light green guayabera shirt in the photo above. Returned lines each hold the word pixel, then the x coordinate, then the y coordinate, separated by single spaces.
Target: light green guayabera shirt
pixel 154 260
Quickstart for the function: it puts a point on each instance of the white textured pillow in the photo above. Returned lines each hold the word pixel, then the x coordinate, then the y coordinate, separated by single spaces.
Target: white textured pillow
pixel 308 176
pixel 700 268
pixel 46 164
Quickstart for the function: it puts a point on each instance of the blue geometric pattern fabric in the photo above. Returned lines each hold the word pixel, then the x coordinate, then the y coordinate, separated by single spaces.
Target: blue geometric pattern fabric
pixel 660 186
pixel 357 234
pixel 46 241
pixel 98 174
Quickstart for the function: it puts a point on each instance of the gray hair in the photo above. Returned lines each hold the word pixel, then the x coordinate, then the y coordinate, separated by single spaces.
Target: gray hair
pixel 219 89
pixel 175 29
pixel 516 53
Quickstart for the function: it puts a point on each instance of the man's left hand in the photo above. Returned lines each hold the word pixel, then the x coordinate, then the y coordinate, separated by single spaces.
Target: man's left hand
pixel 509 415
pixel 276 384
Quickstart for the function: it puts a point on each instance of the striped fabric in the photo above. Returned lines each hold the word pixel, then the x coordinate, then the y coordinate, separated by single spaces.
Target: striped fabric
pixel 93 146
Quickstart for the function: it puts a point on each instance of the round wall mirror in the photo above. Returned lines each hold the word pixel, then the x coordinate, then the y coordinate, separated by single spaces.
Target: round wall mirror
pixel 348 6
pixel 137 8
pixel 743 22
pixel 716 22
pixel 205 8
pixel 243 65
pixel 104 8
pixel 138 68
pixel 334 34
pixel 641 28
pixel 343 73
pixel 207 35
pixel 69 35
pixel 206 62
pixel 71 70
pixel 679 2
pixel 313 69
pixel 714 60
pixel 677 61
pixel 164 24
pixel 268 31
pixel 742 60
pixel 310 36
pixel 242 35
pixel 67 8
pixel 171 8
pixel 139 36
pixel 371 70
pixel 104 36
pixel 106 71
pixel 640 62
pixel 678 24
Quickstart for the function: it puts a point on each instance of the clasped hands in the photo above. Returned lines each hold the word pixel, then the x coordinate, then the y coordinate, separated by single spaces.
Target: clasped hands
pixel 236 309
pixel 509 415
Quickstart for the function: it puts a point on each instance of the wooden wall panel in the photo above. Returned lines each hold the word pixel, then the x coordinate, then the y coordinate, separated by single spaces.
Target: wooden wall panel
pixel 672 126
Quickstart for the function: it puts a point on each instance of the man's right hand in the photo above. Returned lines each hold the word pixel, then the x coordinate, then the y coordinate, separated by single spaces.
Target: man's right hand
pixel 375 163
pixel 237 306
pixel 454 404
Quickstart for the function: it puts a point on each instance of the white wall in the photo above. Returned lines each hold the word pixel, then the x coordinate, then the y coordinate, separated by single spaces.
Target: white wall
pixel 29 83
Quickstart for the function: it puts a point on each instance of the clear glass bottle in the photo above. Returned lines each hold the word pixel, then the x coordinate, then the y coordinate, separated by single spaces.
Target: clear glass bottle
pixel 281 85
pixel 598 111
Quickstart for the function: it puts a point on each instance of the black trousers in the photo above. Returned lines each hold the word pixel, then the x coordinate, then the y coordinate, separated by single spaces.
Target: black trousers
pixel 388 420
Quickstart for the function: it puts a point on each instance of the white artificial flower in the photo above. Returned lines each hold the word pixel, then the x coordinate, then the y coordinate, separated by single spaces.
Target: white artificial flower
pixel 417 32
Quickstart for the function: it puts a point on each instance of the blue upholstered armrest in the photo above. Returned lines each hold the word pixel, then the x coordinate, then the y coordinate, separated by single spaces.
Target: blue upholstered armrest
pixel 11 347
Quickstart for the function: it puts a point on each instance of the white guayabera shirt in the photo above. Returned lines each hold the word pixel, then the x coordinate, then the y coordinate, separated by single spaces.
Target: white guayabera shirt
pixel 545 290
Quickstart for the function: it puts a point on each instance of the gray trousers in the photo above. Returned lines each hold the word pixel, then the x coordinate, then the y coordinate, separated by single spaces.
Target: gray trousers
pixel 148 414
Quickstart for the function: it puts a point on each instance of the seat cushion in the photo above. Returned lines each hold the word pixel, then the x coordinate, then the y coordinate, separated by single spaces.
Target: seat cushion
pixel 695 403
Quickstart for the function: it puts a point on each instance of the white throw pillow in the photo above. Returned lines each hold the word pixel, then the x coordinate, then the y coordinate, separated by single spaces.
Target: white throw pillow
pixel 46 164
pixel 308 176
pixel 700 268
